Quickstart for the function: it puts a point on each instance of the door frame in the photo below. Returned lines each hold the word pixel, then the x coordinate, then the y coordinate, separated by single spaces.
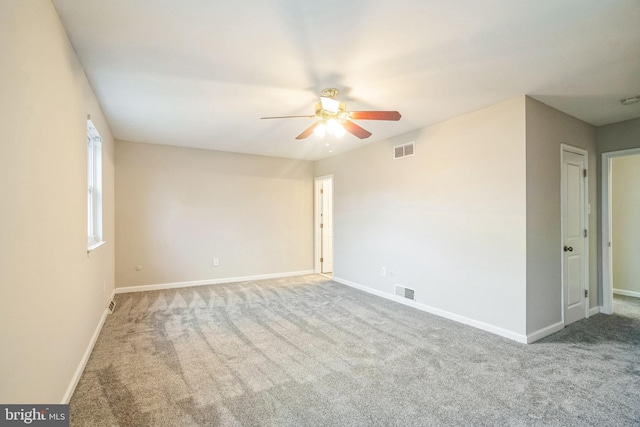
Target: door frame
pixel 607 227
pixel 317 237
pixel 585 206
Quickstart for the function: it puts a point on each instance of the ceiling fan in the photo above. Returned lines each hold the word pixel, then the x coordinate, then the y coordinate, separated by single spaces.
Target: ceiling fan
pixel 334 118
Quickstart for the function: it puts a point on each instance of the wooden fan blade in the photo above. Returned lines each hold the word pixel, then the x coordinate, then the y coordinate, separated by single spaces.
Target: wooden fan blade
pixel 308 131
pixel 375 115
pixel 286 117
pixel 356 130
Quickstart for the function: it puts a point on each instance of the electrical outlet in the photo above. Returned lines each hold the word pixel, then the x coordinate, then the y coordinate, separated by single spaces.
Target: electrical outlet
pixel 383 271
pixel 216 262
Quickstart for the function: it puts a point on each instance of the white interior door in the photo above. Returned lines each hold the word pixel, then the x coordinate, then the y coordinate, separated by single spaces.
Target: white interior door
pixel 574 236
pixel 326 225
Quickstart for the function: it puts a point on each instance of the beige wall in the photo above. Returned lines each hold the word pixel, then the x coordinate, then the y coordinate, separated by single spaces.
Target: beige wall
pixel 52 294
pixel 547 129
pixel 448 222
pixel 178 208
pixel 625 207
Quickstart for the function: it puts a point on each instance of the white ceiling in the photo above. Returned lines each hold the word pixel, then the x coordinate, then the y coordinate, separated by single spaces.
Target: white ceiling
pixel 201 73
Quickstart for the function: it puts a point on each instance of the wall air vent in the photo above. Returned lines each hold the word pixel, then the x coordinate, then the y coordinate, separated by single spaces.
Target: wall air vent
pixel 111 306
pixel 407 293
pixel 405 150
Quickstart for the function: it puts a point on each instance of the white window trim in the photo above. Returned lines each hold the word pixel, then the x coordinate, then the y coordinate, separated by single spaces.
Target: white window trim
pixel 95 246
pixel 94 188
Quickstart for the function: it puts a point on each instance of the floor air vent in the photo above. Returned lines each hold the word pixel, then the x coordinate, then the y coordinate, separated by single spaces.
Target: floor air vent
pixel 111 306
pixel 405 150
pixel 407 293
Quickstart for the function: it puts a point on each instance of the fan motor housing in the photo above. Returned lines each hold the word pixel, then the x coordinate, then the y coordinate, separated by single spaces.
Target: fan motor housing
pixel 320 112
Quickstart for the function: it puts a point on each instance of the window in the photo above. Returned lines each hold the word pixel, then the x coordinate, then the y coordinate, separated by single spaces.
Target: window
pixel 94 180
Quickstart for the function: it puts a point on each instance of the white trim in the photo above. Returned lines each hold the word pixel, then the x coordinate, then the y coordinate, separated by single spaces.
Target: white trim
pixel 160 286
pixel 94 185
pixel 95 246
pixel 626 293
pixel 316 221
pixel 85 358
pixel 595 310
pixel 544 332
pixel 438 312
pixel 316 224
pixel 605 237
pixel 586 252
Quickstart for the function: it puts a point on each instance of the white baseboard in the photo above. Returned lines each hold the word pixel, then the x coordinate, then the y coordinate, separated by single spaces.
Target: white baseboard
pixel 626 293
pixel 544 332
pixel 438 312
pixel 160 286
pixel 85 358
pixel 552 329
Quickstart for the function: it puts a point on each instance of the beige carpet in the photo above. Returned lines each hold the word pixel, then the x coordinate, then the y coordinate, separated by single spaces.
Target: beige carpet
pixel 307 351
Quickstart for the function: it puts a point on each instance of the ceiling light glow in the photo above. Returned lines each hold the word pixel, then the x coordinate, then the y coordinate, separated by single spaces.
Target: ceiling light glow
pixel 331 126
pixel 335 128
pixel 320 130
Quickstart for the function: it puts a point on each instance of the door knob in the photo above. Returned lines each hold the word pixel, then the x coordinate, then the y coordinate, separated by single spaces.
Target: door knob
pixel 568 249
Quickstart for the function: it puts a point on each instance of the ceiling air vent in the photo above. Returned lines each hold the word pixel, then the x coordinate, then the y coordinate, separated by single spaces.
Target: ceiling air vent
pixel 405 150
pixel 407 293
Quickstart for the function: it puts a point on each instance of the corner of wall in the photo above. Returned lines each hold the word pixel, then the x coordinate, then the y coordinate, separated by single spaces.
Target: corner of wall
pixel 546 129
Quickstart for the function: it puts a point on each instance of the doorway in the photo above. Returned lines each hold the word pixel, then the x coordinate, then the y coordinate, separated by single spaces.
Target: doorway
pixel 575 243
pixel 608 235
pixel 323 225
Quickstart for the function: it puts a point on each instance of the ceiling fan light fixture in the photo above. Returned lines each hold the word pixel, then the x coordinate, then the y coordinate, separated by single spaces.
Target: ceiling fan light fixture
pixel 329 104
pixel 331 125
pixel 320 130
pixel 333 117
pixel 335 129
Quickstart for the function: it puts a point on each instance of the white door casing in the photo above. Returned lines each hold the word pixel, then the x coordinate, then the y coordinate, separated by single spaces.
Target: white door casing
pixel 323 224
pixel 574 235
pixel 327 226
pixel 607 227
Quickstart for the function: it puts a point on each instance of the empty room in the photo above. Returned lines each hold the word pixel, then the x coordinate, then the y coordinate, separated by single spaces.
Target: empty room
pixel 291 213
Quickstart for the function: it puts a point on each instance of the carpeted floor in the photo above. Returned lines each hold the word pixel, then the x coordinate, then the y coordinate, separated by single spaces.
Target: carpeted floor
pixel 307 351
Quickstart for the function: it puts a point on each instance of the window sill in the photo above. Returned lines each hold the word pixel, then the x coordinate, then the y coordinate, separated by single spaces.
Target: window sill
pixel 94 246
